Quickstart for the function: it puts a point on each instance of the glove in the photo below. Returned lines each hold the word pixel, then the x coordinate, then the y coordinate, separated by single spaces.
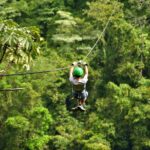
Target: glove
pixel 74 63
pixel 80 62
pixel 85 64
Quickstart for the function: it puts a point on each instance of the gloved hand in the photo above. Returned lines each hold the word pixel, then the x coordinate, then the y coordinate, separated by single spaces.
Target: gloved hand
pixel 74 63
pixel 85 64
pixel 80 62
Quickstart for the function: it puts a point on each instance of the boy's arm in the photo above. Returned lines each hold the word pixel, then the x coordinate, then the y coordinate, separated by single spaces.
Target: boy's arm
pixel 71 71
pixel 86 70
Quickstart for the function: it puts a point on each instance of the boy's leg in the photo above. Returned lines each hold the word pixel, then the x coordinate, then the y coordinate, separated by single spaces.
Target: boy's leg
pixel 82 101
pixel 76 95
pixel 84 97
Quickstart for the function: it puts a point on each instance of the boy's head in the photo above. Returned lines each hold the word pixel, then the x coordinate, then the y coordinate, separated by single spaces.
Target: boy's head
pixel 78 72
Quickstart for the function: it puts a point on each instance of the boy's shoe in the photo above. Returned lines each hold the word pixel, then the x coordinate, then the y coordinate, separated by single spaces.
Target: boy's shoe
pixel 81 107
pixel 75 108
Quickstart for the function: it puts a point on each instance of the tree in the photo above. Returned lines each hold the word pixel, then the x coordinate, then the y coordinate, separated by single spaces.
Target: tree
pixel 18 44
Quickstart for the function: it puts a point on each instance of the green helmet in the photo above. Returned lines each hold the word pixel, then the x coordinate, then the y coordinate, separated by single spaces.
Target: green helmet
pixel 78 72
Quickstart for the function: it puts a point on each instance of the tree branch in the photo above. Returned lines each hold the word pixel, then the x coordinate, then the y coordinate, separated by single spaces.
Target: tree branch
pixel 4 52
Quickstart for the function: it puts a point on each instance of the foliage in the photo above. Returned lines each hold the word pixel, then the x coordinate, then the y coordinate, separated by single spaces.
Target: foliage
pixel 18 44
pixel 62 31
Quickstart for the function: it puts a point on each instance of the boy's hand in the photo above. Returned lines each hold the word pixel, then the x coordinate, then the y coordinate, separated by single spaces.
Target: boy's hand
pixel 74 63
pixel 80 62
pixel 85 64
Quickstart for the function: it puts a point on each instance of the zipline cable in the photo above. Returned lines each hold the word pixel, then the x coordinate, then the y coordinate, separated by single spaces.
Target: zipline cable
pixel 58 69
pixel 14 89
pixel 100 35
pixel 37 72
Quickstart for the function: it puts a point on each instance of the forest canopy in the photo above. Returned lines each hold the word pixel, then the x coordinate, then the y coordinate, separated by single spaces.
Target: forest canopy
pixel 51 34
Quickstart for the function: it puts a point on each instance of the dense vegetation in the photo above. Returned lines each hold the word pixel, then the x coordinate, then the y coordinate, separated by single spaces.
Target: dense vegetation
pixel 48 34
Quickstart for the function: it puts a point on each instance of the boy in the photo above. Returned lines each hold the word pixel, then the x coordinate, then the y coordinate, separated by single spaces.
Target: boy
pixel 79 79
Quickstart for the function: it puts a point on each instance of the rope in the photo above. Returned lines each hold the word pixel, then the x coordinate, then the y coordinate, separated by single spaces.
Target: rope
pixel 14 89
pixel 37 72
pixel 100 35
